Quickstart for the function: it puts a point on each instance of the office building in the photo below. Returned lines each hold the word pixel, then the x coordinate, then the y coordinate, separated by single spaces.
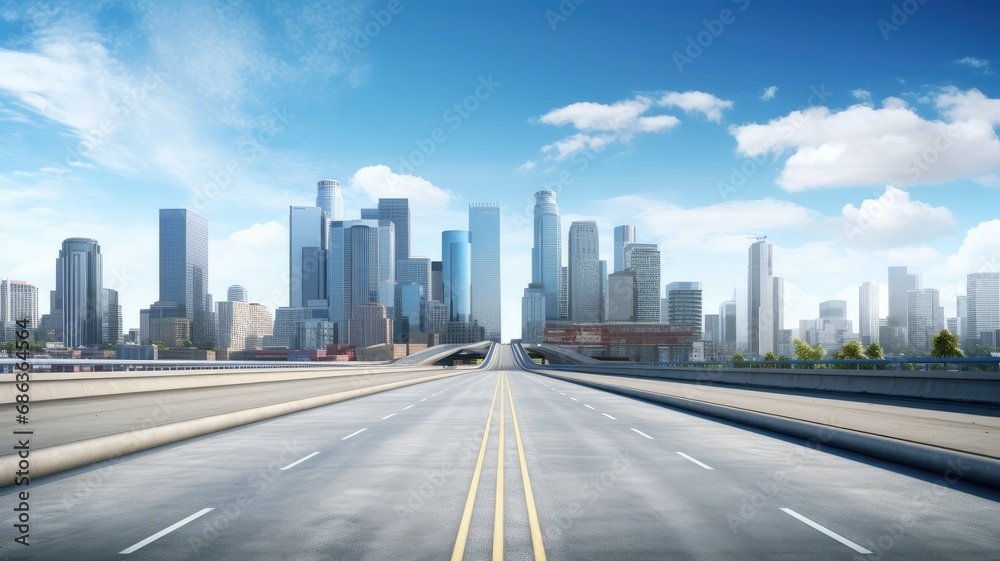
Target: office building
pixel 684 303
pixel 397 211
pixel 484 233
pixel 962 311
pixel 18 302
pixel 760 299
pixel 360 270
pixel 307 256
pixel 778 306
pixel 622 296
pixel 370 325
pixel 456 273
pixel 833 309
pixel 711 328
pixel 624 235
pixel 728 324
pixel 644 259
pixel 236 293
pixel 868 313
pixel 416 270
pixel 546 252
pixel 585 273
pixel 111 317
pixel 437 282
pixel 79 279
pixel 982 294
pixel 184 271
pixel 925 318
pixel 242 325
pixel 893 337
pixel 603 264
pixel 563 293
pixel 330 199
pixel 533 313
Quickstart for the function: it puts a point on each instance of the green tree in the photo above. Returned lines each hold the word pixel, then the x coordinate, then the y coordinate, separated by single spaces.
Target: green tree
pixel 770 356
pixel 188 343
pixel 945 345
pixel 160 345
pixel 107 346
pixel 874 352
pixel 783 358
pixel 805 351
pixel 850 351
pixel 738 357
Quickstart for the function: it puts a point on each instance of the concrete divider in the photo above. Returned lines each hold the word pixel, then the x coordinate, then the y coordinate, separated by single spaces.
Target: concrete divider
pixel 62 457
pixel 971 387
pixel 951 465
pixel 49 386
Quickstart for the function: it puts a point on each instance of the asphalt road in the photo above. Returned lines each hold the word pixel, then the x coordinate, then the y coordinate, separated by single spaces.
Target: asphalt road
pixel 389 476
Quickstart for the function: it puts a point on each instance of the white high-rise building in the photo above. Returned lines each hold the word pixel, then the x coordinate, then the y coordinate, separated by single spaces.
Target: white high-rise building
pixel 868 312
pixel 18 301
pixel 242 325
pixel 236 293
pixel 925 317
pixel 982 293
pixel 644 259
pixel 760 300
pixel 585 273
pixel 330 199
pixel 484 231
pixel 546 253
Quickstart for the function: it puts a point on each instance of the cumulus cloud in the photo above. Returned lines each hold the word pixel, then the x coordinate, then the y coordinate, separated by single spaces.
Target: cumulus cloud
pixel 863 95
pixel 769 93
pixel 979 252
pixel 381 182
pixel 893 220
pixel 601 125
pixel 697 102
pixel 863 145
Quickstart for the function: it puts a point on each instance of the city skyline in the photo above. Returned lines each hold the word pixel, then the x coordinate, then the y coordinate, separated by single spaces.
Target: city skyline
pixel 697 155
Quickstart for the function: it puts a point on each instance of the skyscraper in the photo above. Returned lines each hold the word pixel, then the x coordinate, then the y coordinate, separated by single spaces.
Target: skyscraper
pixel 760 299
pixel 79 280
pixel 563 293
pixel 728 325
pixel 415 270
pixel 307 255
pixel 330 199
pixel 621 296
pixel 456 273
pixel 358 272
pixel 624 235
pixel 893 337
pixel 925 317
pixel 184 270
pixel 868 312
pixel 962 309
pixel 398 212
pixel 546 253
pixel 18 301
pixel 604 289
pixel 242 325
pixel 982 293
pixel 111 316
pixel 711 327
pixel 236 293
pixel 585 273
pixel 684 302
pixel 778 305
pixel 533 314
pixel 484 231
pixel 644 259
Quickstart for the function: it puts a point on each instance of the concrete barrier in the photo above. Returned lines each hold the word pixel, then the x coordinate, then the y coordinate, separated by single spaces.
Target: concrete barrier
pixel 49 386
pixel 951 465
pixel 62 457
pixel 971 387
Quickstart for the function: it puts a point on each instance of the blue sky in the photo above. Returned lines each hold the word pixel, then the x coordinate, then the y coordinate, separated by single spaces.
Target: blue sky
pixel 865 132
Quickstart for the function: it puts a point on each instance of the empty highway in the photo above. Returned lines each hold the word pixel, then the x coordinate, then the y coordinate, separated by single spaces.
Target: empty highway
pixel 499 463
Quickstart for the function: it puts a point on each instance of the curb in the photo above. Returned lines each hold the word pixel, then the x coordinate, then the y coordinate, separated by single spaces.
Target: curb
pixel 952 465
pixel 63 457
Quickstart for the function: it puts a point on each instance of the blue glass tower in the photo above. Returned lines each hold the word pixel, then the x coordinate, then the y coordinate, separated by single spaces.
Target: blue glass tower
pixel 456 273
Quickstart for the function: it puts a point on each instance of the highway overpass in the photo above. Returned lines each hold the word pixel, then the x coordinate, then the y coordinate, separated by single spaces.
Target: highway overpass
pixel 507 460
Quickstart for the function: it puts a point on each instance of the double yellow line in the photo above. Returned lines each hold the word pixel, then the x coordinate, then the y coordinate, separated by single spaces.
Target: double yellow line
pixel 538 547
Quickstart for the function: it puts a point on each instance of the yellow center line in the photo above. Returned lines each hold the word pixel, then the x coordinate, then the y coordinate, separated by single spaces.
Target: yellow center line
pixel 536 530
pixel 463 529
pixel 498 513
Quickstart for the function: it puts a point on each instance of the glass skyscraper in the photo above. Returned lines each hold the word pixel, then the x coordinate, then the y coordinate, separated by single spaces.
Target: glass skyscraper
pixel 585 273
pixel 684 304
pixel 760 300
pixel 79 280
pixel 184 269
pixel 546 253
pixel 644 259
pixel 624 235
pixel 484 230
pixel 398 212
pixel 456 273
pixel 307 259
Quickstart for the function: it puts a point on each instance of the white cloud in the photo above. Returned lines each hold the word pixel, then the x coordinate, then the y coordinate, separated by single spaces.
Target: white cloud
pixel 769 93
pixel 862 145
pixel 527 166
pixel 863 95
pixel 601 125
pixel 251 257
pixel 979 252
pixel 381 182
pixel 977 63
pixel 893 220
pixel 694 101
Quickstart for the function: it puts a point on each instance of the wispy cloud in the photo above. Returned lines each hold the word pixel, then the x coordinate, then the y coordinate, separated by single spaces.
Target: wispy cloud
pixel 697 102
pixel 982 65
pixel 527 166
pixel 769 93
